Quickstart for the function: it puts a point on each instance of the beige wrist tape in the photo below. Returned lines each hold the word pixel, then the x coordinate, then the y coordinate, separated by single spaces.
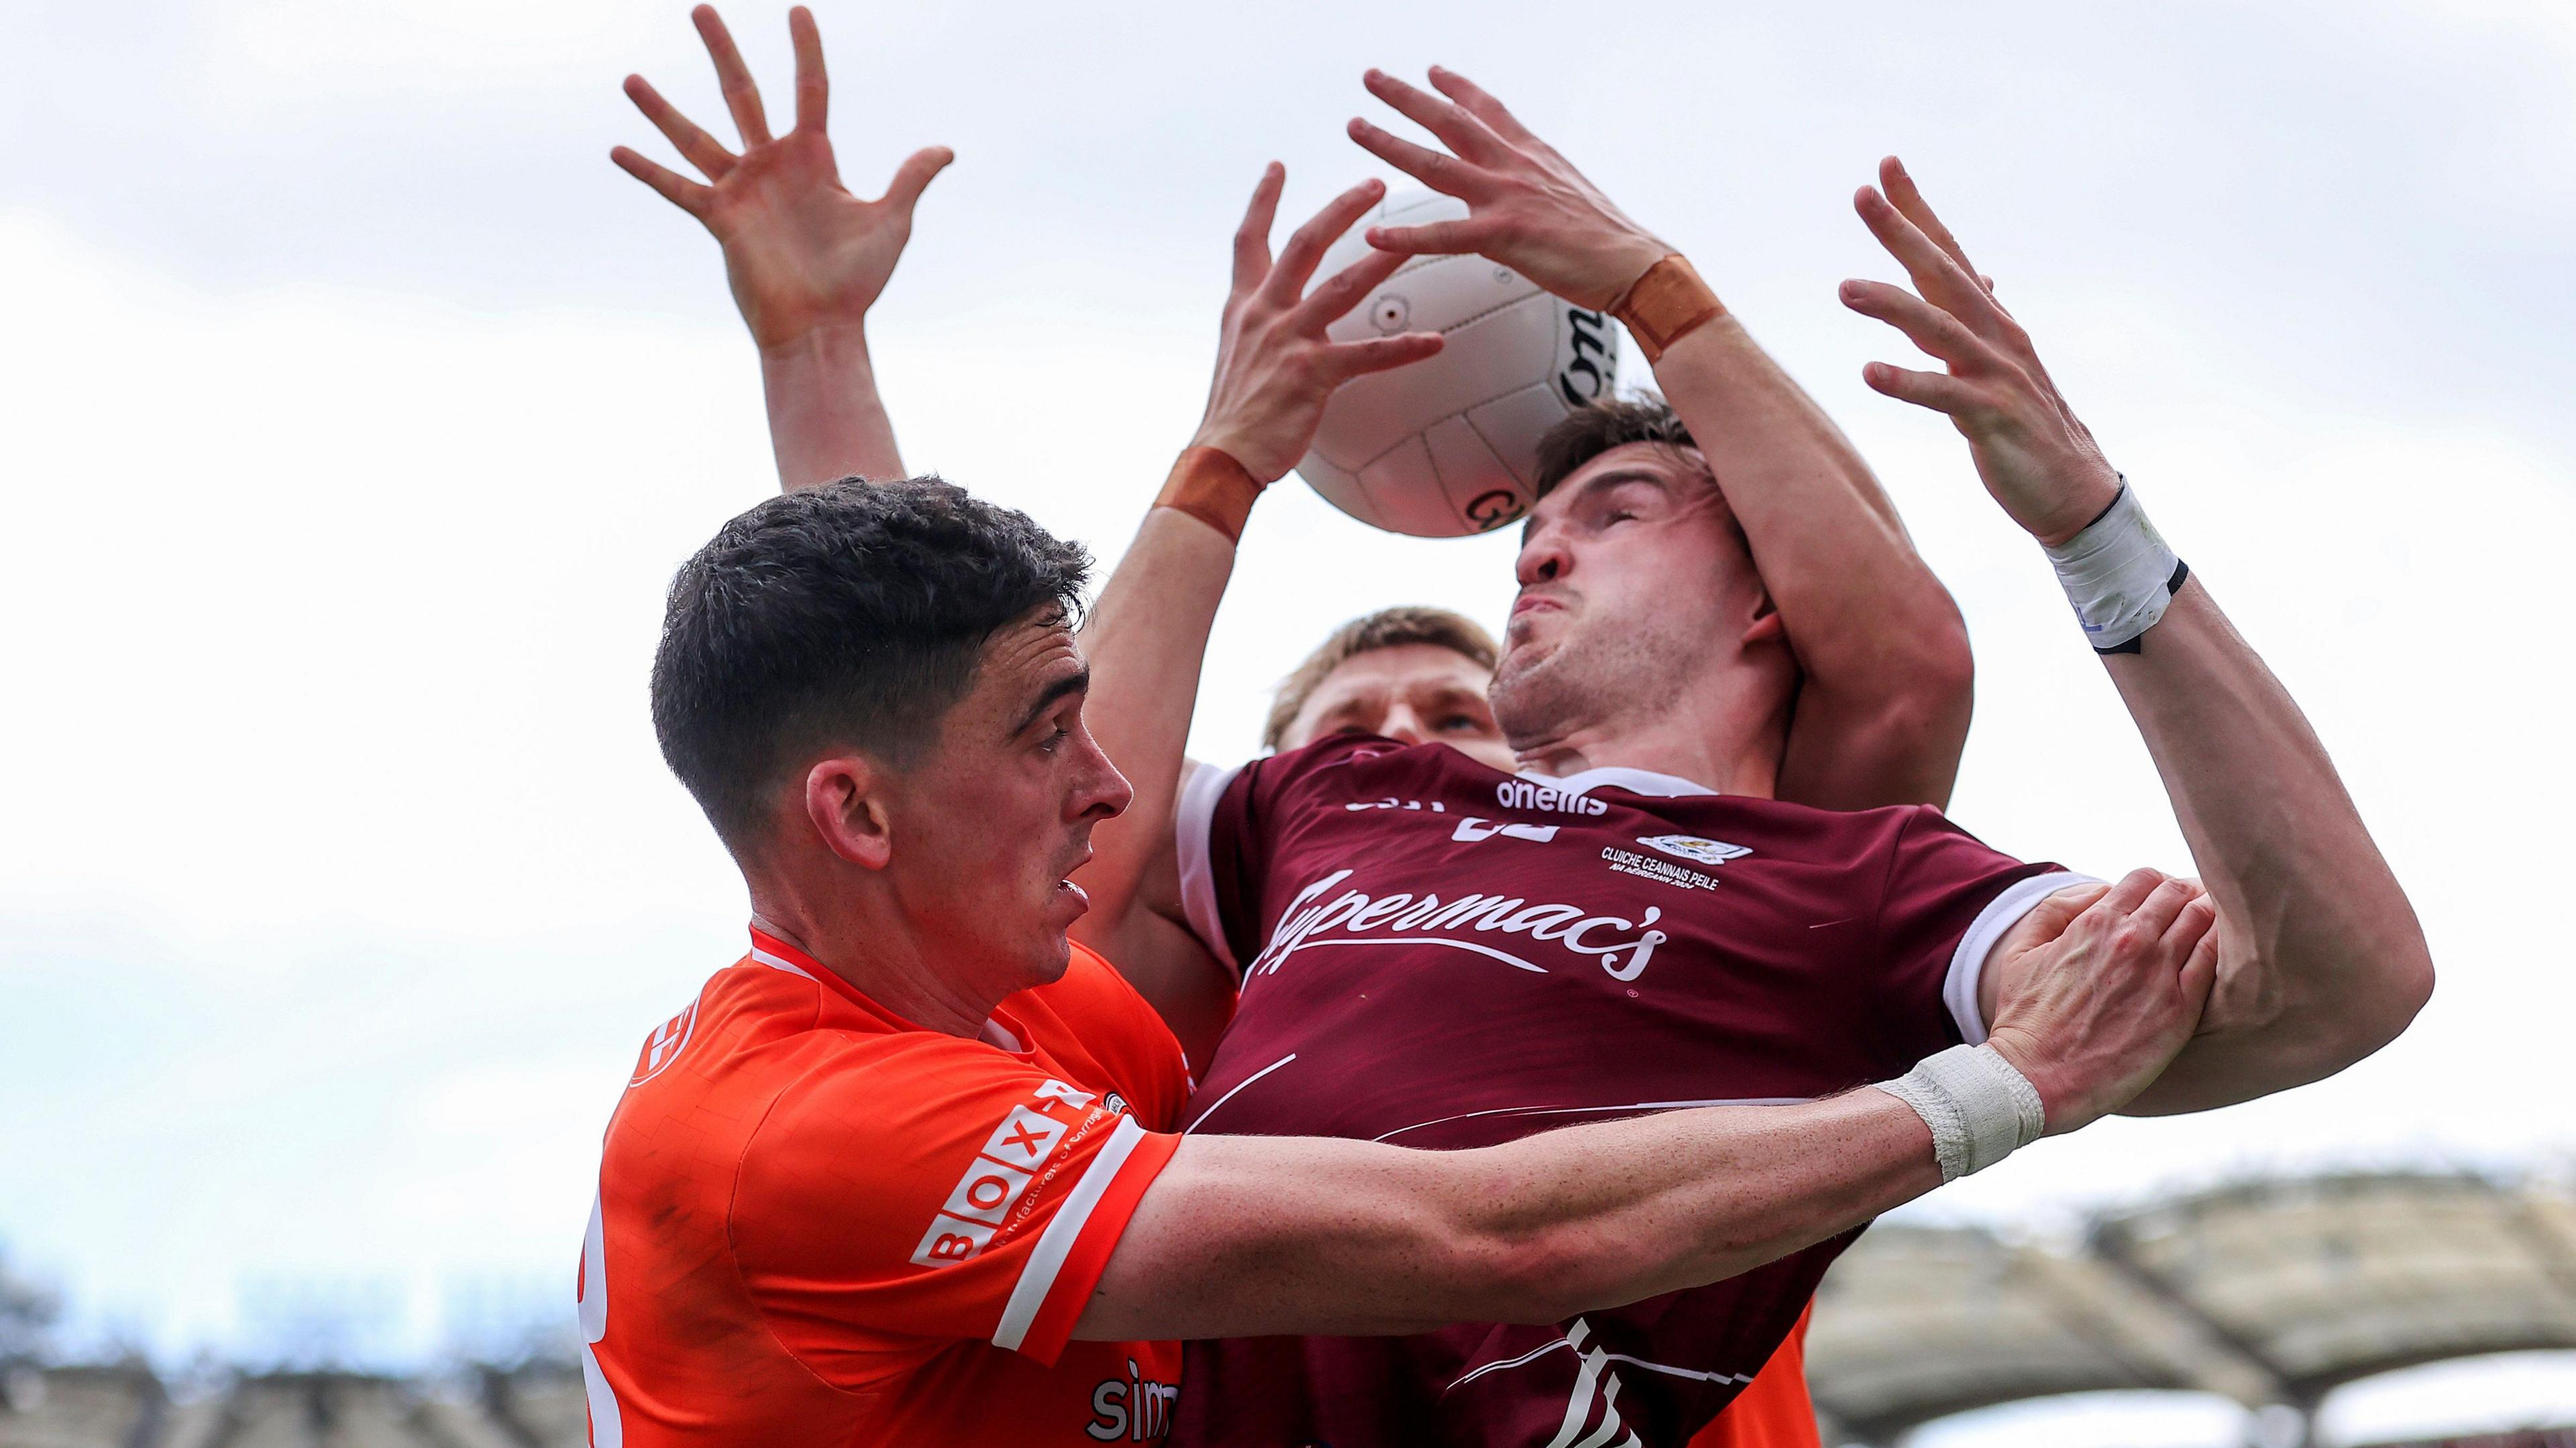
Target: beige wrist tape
pixel 1209 485
pixel 1980 1109
pixel 1665 305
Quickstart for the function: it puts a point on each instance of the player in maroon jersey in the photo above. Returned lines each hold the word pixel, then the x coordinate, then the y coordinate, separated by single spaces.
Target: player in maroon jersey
pixel 1416 675
pixel 1434 951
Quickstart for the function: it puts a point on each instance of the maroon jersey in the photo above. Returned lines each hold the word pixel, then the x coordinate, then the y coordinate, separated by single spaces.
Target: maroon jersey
pixel 1437 954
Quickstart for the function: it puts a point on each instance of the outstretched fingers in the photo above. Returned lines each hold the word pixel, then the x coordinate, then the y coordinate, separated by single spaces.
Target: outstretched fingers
pixel 1346 360
pixel 1938 391
pixel 677 189
pixel 813 84
pixel 1898 185
pixel 1937 332
pixel 1432 238
pixel 1342 290
pixel 1438 170
pixel 1459 131
pixel 1474 99
pixel 741 96
pixel 1252 238
pixel 1305 248
pixel 702 150
pixel 914 175
pixel 1941 280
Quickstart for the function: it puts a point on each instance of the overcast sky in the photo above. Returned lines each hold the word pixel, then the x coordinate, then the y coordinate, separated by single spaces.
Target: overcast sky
pixel 357 410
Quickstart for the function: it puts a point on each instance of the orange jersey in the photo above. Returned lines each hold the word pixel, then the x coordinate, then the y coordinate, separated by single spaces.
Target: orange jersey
pixel 820 1224
pixel 1773 1411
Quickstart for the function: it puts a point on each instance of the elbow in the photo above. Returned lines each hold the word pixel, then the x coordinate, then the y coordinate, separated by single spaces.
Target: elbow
pixel 1921 679
pixel 2392 990
pixel 2398 985
pixel 1534 1277
pixel 1893 738
pixel 1941 682
pixel 2406 977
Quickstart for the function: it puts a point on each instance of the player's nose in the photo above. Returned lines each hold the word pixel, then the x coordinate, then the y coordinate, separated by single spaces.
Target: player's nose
pixel 1403 725
pixel 1541 560
pixel 1103 792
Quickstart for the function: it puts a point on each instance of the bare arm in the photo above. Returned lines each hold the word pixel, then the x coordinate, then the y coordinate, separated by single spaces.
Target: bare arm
pixel 1883 711
pixel 1147 636
pixel 2321 961
pixel 1248 1235
pixel 1253 1235
pixel 804 257
pixel 1146 639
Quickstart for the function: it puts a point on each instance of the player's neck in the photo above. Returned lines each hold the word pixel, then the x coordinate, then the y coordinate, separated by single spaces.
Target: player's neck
pixel 1715 749
pixel 879 953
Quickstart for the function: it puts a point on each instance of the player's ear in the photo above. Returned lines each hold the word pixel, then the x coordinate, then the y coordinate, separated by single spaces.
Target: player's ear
pixel 1766 627
pixel 845 800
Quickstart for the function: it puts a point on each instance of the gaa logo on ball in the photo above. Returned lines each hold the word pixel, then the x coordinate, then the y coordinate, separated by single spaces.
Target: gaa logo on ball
pixel 1449 446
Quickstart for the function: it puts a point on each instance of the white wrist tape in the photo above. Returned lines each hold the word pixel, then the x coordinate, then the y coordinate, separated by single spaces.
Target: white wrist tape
pixel 1980 1109
pixel 2119 574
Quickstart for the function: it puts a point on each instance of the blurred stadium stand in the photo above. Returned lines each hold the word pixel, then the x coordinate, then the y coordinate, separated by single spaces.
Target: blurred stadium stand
pixel 2271 1294
pixel 128 1407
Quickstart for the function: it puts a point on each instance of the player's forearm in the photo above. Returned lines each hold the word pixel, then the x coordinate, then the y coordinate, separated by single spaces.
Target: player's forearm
pixel 1602 1215
pixel 2322 960
pixel 825 419
pixel 1146 639
pixel 1883 712
pixel 1249 1235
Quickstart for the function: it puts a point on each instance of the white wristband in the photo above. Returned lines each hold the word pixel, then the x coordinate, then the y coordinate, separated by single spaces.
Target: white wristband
pixel 1979 1107
pixel 2119 574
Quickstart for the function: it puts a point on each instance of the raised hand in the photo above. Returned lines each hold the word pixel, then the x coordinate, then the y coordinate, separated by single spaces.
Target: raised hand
pixel 1527 207
pixel 1275 367
pixel 801 252
pixel 2095 1011
pixel 2040 463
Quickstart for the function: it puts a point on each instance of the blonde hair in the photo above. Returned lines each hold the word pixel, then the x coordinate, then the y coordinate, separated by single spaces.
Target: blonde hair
pixel 1384 629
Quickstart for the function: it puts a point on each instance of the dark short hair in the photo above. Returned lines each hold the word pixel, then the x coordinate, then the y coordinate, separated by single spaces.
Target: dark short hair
pixel 1383 629
pixel 1595 428
pixel 851 615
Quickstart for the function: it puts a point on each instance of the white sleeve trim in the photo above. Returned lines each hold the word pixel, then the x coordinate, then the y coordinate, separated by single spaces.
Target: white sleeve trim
pixel 1037 1278
pixel 1968 962
pixel 1193 818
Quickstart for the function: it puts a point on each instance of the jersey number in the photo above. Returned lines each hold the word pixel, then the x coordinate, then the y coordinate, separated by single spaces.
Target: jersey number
pixel 590 1292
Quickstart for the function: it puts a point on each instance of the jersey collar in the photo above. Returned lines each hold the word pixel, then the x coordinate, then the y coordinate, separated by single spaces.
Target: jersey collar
pixel 1615 776
pixel 777 954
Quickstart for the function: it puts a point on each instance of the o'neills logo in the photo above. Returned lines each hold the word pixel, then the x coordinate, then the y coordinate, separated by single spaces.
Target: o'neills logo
pixel 1618 945
pixel 1521 794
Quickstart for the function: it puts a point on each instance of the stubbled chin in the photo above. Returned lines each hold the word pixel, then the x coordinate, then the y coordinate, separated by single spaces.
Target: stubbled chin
pixel 1530 652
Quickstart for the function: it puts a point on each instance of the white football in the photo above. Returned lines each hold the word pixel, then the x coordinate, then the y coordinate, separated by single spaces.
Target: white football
pixel 1449 446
